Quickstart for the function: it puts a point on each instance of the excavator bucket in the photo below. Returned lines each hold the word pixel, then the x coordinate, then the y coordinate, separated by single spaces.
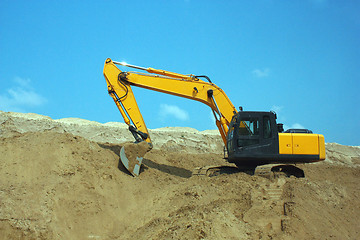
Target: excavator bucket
pixel 131 156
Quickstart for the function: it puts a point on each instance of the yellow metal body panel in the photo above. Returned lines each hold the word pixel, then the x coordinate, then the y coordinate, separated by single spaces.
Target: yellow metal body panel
pixel 307 144
pixel 322 147
pixel 302 144
pixel 285 143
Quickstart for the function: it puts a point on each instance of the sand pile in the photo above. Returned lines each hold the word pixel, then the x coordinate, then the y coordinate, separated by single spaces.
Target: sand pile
pixel 57 182
pixel 169 138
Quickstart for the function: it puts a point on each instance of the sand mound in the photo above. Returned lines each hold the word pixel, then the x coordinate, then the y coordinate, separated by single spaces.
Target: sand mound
pixel 169 139
pixel 57 184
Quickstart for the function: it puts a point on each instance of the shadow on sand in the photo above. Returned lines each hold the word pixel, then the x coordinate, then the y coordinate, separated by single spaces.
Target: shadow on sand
pixel 147 163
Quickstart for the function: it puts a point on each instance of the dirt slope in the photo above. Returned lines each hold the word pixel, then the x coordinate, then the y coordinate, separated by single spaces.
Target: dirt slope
pixel 58 185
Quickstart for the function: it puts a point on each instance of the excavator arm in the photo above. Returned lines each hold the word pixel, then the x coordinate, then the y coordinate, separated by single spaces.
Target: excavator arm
pixel 119 85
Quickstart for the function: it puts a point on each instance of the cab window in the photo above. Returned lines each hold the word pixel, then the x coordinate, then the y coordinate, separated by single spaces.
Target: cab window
pixel 230 135
pixel 248 132
pixel 249 127
pixel 267 127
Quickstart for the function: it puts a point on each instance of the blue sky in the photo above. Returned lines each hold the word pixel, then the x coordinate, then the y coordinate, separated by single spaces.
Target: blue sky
pixel 299 58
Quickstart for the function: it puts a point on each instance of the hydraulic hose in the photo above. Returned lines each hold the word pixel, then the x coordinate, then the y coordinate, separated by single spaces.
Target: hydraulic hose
pixel 203 76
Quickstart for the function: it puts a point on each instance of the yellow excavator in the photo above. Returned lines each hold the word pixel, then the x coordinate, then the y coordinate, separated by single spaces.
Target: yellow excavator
pixel 252 139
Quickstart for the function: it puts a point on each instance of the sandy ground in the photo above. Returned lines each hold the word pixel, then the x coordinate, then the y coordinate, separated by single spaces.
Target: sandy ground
pixel 61 179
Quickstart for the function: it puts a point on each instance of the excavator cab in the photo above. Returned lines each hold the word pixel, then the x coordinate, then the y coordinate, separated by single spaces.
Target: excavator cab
pixel 252 138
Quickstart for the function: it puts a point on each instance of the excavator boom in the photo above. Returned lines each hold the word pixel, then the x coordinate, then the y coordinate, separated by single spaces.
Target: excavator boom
pixel 187 86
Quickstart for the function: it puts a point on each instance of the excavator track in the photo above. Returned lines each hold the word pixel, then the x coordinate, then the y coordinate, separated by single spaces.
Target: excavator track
pixel 270 171
pixel 214 170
